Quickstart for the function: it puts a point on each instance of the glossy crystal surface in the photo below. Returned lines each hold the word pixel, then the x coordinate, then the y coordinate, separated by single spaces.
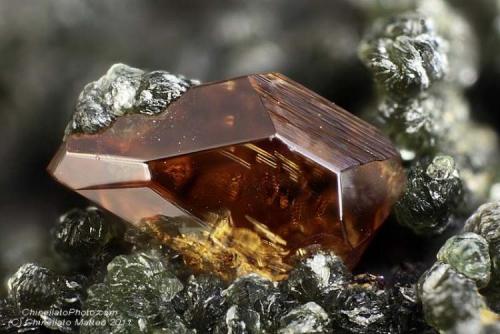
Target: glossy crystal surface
pixel 285 169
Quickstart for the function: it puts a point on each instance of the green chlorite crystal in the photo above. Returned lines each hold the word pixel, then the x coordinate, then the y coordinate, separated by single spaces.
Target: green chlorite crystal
pixel 411 123
pixel 486 222
pixel 240 320
pixel 124 89
pixel 307 318
pixel 362 306
pixel 201 303
pixel 137 291
pixel 316 276
pixel 421 104
pixel 468 254
pixel 449 290
pixel 405 310
pixel 83 235
pixel 405 54
pixel 492 291
pixel 256 295
pixel 433 193
pixel 450 300
pixel 36 288
pixel 419 125
pixel 476 151
pixel 249 290
pixel 461 44
pixel 158 89
pixel 172 323
pixel 12 321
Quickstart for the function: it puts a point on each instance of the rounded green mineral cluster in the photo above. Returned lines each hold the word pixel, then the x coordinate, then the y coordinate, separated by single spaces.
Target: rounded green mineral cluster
pixel 450 300
pixel 449 291
pixel 307 318
pixel 201 303
pixel 124 89
pixel 468 254
pixel 486 222
pixel 136 291
pixel 82 234
pixel 405 54
pixel 433 192
pixel 37 289
pixel 254 298
pixel 315 277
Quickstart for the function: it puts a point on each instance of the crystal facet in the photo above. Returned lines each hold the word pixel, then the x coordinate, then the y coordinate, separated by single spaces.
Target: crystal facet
pixel 280 163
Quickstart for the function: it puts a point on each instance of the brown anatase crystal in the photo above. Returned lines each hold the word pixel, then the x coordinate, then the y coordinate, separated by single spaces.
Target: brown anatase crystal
pixel 242 175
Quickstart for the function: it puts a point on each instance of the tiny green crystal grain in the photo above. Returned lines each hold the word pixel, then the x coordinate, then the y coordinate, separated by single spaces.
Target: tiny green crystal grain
pixel 433 191
pixel 468 254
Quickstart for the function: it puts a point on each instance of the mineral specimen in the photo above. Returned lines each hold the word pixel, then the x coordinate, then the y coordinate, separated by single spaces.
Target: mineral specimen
pixel 419 125
pixel 433 192
pixel 239 320
pixel 405 310
pixel 468 254
pixel 486 222
pixel 476 149
pixel 492 291
pixel 291 168
pixel 421 103
pixel 307 318
pixel 411 123
pixel 450 300
pixel 316 276
pixel 362 306
pixel 458 39
pixel 258 297
pixel 461 44
pixel 201 302
pixel 405 54
pixel 12 320
pixel 83 234
pixel 172 323
pixel 122 90
pixel 136 293
pixel 55 298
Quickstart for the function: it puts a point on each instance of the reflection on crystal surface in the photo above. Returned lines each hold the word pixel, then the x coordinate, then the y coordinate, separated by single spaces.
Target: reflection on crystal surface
pixel 264 186
pixel 261 167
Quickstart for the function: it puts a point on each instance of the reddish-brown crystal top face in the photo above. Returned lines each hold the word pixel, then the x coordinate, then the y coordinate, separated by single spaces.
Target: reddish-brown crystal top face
pixel 258 166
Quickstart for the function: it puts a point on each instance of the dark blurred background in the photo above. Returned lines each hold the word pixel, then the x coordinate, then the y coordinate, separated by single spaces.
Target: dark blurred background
pixel 49 49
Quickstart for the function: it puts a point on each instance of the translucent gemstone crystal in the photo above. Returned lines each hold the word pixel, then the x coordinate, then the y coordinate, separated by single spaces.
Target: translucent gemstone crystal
pixel 275 162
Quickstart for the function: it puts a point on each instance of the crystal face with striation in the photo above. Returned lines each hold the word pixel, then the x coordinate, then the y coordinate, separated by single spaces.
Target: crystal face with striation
pixel 253 171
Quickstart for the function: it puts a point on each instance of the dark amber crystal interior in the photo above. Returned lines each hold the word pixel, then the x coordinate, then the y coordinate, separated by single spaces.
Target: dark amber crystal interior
pixel 258 166
pixel 258 183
